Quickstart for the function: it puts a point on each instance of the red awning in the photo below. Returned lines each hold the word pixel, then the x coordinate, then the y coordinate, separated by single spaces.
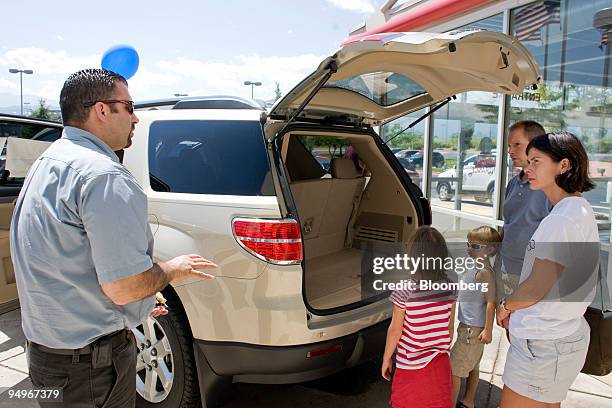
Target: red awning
pixel 423 15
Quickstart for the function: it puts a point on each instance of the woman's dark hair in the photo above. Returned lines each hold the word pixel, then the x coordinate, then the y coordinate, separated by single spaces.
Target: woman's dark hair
pixel 564 145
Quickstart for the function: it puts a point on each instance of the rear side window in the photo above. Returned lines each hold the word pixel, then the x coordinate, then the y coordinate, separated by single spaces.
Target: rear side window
pixel 209 157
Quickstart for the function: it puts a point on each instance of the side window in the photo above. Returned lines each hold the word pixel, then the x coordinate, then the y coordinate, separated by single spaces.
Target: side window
pixel 209 157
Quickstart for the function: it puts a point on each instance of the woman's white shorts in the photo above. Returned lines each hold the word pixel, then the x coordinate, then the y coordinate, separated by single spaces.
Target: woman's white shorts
pixel 544 370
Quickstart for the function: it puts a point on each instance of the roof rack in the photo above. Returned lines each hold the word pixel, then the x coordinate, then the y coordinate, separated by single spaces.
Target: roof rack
pixel 200 102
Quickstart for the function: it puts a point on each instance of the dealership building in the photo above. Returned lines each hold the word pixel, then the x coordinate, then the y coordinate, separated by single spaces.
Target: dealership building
pixel 569 40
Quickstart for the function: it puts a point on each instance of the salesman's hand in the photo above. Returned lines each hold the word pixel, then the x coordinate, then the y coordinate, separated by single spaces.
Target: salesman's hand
pixel 187 266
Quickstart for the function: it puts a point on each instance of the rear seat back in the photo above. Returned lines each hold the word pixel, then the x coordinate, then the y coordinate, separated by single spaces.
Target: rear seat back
pixel 311 197
pixel 326 207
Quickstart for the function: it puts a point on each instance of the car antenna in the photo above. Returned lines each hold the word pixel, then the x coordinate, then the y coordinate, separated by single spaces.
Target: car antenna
pixel 332 68
pixel 432 110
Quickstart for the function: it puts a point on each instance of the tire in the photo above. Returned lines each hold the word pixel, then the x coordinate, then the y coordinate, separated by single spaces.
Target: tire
pixel 184 387
pixel 490 191
pixel 444 192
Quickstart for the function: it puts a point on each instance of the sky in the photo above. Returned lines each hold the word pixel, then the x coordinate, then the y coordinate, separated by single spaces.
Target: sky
pixel 185 46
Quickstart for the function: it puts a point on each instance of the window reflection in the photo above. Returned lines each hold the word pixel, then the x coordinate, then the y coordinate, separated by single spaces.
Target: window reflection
pixel 407 144
pixel 574 57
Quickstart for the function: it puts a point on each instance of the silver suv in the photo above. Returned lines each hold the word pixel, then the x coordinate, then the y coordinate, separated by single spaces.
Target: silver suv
pixel 287 203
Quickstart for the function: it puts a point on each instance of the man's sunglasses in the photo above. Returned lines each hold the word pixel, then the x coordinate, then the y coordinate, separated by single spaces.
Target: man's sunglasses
pixel 129 104
pixel 476 247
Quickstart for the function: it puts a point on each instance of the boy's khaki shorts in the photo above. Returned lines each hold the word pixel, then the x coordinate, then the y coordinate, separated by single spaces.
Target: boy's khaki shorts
pixel 467 351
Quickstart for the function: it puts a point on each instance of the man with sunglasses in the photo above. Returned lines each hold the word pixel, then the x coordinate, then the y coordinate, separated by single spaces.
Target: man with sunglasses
pixel 83 251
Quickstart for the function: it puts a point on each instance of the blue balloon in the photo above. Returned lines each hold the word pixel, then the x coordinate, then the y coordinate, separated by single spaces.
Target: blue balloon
pixel 121 59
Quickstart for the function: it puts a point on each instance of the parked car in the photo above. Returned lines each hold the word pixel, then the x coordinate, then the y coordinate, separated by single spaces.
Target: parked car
pixel 416 160
pixel 478 179
pixel 415 177
pixel 25 127
pixel 291 302
pixel 405 153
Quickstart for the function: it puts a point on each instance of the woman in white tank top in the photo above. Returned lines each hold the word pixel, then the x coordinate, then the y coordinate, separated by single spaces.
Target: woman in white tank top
pixel 549 336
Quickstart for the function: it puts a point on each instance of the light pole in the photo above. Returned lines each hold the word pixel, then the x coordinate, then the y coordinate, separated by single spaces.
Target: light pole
pixel 252 85
pixel 21 72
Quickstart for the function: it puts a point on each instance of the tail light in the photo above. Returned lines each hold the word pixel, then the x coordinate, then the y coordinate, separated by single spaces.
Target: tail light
pixel 274 241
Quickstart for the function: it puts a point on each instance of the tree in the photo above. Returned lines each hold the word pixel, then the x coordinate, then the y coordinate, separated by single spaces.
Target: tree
pixel 43 111
pixel 277 92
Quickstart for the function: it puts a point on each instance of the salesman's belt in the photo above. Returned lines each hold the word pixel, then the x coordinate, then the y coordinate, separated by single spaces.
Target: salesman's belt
pixel 113 339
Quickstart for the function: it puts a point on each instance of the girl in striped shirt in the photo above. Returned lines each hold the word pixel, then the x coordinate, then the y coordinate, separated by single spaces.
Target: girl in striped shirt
pixel 420 331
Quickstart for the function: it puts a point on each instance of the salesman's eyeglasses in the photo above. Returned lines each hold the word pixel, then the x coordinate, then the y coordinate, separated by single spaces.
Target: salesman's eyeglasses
pixel 475 246
pixel 129 104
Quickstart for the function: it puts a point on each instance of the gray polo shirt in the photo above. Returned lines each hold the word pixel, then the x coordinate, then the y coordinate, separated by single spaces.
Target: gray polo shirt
pixel 80 221
pixel 524 209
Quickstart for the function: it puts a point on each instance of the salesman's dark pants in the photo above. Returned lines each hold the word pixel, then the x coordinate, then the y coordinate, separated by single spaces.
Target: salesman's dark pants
pixel 102 374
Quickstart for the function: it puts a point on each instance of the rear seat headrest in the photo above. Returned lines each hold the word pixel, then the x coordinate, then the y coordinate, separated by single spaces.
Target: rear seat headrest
pixel 343 168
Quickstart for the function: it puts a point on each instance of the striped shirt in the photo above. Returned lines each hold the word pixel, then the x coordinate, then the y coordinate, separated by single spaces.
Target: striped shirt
pixel 425 331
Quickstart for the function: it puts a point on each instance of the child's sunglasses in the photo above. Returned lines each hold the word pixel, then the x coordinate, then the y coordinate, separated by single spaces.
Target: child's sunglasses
pixel 475 246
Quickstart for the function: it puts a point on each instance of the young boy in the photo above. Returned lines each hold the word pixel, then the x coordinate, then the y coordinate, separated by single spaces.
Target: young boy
pixel 476 314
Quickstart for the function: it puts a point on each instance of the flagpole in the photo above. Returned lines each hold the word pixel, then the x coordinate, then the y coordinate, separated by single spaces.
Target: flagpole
pixel 603 22
pixel 563 53
pixel 546 54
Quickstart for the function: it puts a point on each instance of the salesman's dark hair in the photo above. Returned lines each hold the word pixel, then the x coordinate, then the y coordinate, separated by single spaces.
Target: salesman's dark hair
pixel 88 85
pixel 564 145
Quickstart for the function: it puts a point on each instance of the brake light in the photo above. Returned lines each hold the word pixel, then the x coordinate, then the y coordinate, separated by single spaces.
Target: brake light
pixel 275 241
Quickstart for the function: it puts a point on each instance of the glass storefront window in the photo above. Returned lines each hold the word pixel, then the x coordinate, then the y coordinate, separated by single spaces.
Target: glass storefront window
pixel 407 145
pixel 574 58
pixel 464 143
pixel 465 134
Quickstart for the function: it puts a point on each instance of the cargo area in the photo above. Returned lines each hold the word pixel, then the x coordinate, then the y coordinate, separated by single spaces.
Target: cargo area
pixel 347 196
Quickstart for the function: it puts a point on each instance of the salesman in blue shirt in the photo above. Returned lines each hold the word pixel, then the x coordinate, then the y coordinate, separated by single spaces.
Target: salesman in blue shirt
pixel 82 250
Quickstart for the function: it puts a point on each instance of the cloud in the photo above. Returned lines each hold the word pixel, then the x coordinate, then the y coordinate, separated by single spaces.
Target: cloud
pixel 362 6
pixel 51 68
pixel 160 79
pixel 228 77
pixel 148 84
pixel 45 62
pixel 59 37
pixel 48 90
pixel 9 86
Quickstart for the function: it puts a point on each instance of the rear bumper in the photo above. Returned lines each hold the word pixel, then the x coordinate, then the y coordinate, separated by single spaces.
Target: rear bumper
pixel 292 364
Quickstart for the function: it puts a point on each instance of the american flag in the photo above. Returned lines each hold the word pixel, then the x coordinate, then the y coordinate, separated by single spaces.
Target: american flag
pixel 530 19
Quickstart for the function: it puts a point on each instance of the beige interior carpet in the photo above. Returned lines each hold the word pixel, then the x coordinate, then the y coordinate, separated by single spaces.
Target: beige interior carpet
pixel 334 280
